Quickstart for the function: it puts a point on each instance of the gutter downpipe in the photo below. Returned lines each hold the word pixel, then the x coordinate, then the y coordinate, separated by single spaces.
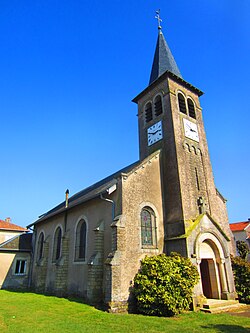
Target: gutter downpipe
pixel 32 256
pixel 113 205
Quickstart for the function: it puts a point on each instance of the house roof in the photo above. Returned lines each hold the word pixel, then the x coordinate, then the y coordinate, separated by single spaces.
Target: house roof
pixel 239 226
pixel 163 60
pixel 10 226
pixel 21 242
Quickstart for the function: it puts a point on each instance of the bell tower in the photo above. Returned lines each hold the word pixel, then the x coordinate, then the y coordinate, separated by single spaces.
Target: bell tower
pixel 170 119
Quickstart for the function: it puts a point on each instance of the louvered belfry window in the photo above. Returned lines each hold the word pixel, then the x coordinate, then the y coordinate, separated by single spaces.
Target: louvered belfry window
pixel 191 109
pixel 148 112
pixel 158 106
pixel 182 104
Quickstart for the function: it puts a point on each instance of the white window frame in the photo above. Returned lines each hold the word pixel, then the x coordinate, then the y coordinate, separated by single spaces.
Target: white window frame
pixel 19 268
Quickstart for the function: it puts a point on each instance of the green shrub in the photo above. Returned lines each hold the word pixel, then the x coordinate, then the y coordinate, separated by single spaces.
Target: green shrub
pixel 241 270
pixel 164 284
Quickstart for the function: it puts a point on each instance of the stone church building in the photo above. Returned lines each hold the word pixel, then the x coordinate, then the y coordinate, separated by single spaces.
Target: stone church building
pixel 91 244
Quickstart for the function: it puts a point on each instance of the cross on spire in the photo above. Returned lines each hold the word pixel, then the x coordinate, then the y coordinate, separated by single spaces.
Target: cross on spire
pixel 163 58
pixel 158 19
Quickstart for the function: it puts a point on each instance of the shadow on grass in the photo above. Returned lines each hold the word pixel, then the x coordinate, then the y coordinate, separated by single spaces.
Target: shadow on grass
pixel 227 328
pixel 70 298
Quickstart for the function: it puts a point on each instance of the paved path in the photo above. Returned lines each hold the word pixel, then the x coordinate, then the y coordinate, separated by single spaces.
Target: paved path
pixel 241 313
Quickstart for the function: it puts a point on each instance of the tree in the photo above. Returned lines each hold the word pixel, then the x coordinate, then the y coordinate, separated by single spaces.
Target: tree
pixel 241 270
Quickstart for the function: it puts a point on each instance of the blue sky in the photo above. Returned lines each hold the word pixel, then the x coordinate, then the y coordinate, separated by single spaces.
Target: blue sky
pixel 69 70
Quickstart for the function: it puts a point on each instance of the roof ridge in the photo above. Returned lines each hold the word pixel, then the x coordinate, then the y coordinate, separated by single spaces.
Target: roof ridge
pixel 94 190
pixel 99 184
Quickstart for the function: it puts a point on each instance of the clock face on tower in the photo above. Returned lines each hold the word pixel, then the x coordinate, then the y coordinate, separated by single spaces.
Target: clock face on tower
pixel 191 130
pixel 155 133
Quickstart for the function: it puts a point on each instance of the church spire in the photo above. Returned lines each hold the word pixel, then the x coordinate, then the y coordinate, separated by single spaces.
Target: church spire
pixel 163 58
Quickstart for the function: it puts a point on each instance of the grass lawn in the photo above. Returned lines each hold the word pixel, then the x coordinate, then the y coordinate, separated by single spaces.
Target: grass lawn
pixel 27 312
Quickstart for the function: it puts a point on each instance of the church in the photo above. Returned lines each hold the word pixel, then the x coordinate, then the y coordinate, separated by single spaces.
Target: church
pixel 91 244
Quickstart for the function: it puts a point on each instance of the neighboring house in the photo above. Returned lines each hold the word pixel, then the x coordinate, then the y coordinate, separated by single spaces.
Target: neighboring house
pixel 241 232
pixel 247 230
pixel 91 244
pixel 15 256
pixel 9 230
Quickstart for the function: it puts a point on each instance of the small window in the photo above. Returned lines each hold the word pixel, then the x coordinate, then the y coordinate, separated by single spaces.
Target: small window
pixel 148 237
pixel 57 244
pixel 158 106
pixel 80 244
pixel 148 112
pixel 191 109
pixel 182 103
pixel 20 268
pixel 40 246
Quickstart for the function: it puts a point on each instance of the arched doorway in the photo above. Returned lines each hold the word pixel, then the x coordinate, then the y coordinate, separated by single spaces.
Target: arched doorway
pixel 210 278
pixel 211 259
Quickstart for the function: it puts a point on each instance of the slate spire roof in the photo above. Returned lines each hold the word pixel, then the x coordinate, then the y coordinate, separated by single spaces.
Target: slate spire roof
pixel 163 59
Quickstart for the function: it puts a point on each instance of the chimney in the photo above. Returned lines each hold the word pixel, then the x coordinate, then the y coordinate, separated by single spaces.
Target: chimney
pixel 8 220
pixel 66 198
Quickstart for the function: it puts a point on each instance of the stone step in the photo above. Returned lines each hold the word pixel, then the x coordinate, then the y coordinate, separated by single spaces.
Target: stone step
pixel 218 306
pixel 211 304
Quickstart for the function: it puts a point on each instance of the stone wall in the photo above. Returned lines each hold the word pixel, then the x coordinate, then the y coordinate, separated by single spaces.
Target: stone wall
pixel 140 188
pixel 8 278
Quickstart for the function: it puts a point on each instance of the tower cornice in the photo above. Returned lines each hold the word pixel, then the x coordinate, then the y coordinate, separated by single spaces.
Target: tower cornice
pixel 165 75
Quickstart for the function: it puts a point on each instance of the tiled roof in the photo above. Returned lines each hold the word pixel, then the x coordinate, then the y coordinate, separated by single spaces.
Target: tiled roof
pixel 239 226
pixel 10 226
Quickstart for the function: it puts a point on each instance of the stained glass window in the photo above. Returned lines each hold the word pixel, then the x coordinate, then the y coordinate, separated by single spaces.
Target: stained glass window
pixel 40 246
pixel 80 244
pixel 147 226
pixel 57 244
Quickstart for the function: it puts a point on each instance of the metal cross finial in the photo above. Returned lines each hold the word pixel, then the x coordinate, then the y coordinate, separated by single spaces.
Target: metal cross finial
pixel 158 19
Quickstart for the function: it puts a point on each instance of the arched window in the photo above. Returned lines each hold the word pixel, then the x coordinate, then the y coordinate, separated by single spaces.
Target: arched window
pixel 40 246
pixel 182 103
pixel 80 241
pixel 191 109
pixel 57 244
pixel 148 235
pixel 148 112
pixel 158 105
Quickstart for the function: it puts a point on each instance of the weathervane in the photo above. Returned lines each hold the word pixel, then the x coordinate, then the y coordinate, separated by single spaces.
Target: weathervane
pixel 158 19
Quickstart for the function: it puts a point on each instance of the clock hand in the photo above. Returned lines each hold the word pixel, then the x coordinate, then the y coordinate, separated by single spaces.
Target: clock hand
pixel 192 130
pixel 153 132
